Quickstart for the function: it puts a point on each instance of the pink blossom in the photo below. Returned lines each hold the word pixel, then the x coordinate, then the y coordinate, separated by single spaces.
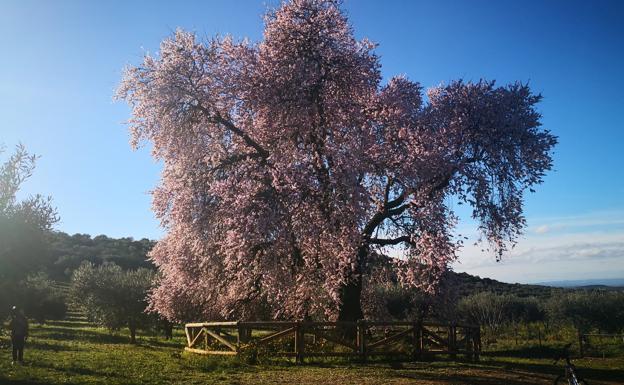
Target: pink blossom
pixel 289 168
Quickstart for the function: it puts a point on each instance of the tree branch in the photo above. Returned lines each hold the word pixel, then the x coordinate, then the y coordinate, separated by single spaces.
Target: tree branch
pixel 217 118
pixel 233 159
pixel 397 206
pixel 387 242
pixel 387 190
pixel 380 216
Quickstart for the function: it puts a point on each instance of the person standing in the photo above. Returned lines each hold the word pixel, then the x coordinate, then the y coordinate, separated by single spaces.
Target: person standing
pixel 19 334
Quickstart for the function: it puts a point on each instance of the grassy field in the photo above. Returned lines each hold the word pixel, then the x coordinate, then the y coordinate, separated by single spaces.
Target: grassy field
pixel 67 352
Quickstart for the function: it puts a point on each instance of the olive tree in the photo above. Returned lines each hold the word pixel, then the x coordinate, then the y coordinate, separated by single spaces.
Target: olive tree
pixel 112 297
pixel 487 309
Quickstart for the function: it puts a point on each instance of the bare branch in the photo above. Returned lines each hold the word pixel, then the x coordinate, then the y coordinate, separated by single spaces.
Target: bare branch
pixel 388 242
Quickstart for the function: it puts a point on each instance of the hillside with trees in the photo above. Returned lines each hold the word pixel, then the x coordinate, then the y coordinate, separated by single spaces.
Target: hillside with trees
pixel 67 252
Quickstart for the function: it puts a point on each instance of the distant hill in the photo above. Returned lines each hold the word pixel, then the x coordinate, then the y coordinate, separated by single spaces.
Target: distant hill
pixel 470 284
pixel 586 283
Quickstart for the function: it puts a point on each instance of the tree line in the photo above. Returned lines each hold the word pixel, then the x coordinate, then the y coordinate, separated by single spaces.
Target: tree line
pixel 116 298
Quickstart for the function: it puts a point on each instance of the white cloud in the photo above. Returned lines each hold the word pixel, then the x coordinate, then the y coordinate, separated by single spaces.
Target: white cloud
pixel 583 246
pixel 543 229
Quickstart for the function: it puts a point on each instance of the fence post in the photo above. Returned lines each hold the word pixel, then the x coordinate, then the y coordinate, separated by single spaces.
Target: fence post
pixel 416 352
pixel 421 344
pixel 361 339
pixel 451 341
pixel 188 332
pixel 477 343
pixel 469 342
pixel 244 334
pixel 299 342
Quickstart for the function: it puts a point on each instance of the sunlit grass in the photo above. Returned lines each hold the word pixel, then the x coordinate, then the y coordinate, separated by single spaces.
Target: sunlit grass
pixel 75 352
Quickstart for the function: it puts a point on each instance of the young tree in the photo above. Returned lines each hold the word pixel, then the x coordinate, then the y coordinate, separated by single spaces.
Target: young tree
pixel 515 313
pixel 487 309
pixel 534 314
pixel 23 224
pixel 112 297
pixel 23 227
pixel 289 167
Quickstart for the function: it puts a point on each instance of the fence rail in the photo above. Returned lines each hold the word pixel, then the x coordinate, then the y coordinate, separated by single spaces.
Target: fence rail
pixel 600 344
pixel 362 339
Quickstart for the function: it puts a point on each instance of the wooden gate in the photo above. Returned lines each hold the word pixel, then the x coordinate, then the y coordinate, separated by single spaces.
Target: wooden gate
pixel 363 339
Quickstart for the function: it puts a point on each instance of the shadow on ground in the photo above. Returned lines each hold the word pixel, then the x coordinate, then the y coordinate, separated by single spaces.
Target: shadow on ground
pixel 587 373
pixel 8 381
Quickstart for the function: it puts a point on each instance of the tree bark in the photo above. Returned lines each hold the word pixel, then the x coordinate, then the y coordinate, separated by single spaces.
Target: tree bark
pixel 351 293
pixel 168 330
pixel 351 296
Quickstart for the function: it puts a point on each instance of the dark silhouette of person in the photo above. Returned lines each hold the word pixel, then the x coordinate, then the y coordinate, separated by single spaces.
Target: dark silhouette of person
pixel 19 334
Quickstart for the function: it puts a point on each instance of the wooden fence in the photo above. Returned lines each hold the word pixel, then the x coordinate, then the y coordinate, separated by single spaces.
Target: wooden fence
pixel 363 339
pixel 600 344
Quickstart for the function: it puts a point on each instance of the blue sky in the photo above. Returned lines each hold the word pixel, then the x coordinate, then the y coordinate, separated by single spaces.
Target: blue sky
pixel 61 61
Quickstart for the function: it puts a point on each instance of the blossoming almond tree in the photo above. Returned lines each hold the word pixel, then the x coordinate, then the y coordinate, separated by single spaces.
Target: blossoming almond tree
pixel 290 170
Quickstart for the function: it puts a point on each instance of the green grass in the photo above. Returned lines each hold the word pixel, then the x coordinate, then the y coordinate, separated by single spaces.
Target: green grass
pixel 75 352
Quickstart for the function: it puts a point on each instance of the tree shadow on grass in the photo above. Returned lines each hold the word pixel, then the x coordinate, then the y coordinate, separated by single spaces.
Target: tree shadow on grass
pixel 69 324
pixel 11 381
pixel 548 353
pixel 526 352
pixel 554 370
pixel 486 372
pixel 40 345
pixel 64 334
pixel 79 370
pixel 105 337
pixel 151 342
pixel 475 378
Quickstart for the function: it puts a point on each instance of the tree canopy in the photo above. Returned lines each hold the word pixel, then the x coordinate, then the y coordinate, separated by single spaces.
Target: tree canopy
pixel 291 171
pixel 112 297
pixel 23 224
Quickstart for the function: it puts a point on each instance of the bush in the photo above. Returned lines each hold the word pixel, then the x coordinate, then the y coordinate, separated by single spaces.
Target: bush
pixel 36 295
pixel 588 310
pixel 41 300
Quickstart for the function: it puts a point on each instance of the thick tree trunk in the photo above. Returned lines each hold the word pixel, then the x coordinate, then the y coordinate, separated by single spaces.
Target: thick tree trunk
pixel 168 330
pixel 351 293
pixel 351 306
